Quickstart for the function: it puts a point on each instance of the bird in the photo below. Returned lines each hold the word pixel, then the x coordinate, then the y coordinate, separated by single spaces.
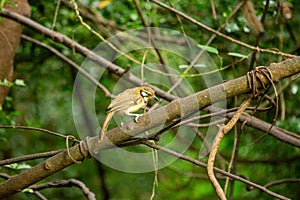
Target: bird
pixel 128 102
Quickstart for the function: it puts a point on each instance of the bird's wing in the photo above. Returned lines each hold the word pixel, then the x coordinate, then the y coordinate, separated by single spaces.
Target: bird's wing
pixel 120 103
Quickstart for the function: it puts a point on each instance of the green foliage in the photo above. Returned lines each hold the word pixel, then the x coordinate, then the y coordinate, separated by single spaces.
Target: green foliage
pixel 238 55
pixel 17 82
pixel 17 166
pixel 209 49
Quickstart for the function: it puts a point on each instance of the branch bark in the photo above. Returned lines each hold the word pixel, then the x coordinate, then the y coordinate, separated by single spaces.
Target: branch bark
pixel 10 34
pixel 42 170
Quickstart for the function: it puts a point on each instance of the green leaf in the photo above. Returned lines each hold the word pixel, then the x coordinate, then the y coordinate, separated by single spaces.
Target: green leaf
pixel 20 82
pixel 5 82
pixel 18 166
pixel 182 66
pixel 209 49
pixel 133 16
pixel 28 190
pixel 196 65
pixel 237 55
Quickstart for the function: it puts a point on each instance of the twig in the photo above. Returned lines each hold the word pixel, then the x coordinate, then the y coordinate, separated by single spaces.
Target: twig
pixel 271 161
pixel 89 14
pixel 278 182
pixel 3 175
pixel 219 33
pixel 211 159
pixel 29 157
pixel 213 10
pixel 55 14
pixel 233 160
pixel 139 10
pixel 152 42
pixel 98 34
pixel 259 36
pixel 204 165
pixel 71 63
pixel 67 183
pixel 38 129
pixel 39 195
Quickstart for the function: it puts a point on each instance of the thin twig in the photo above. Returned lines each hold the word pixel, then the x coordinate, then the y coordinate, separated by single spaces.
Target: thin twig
pixel 278 182
pixel 39 195
pixel 219 33
pixel 204 165
pixel 29 157
pixel 66 183
pixel 259 36
pixel 38 129
pixel 234 157
pixel 98 34
pixel 71 63
pixel 55 14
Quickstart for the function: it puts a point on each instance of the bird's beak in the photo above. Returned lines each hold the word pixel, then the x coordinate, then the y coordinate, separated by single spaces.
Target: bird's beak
pixel 156 98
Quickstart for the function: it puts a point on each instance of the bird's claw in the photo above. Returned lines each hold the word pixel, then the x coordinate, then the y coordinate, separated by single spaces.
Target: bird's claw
pixel 136 118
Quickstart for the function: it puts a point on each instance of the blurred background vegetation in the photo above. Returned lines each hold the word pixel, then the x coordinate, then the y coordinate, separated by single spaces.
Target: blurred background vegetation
pixel 46 99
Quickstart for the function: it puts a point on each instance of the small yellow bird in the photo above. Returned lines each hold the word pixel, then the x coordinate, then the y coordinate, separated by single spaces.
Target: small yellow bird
pixel 128 102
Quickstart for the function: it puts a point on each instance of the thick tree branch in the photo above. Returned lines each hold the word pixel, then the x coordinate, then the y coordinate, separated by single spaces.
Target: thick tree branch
pixel 10 35
pixel 42 170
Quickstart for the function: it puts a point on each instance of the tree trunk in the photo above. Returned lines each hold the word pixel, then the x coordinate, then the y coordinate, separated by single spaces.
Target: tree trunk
pixel 10 35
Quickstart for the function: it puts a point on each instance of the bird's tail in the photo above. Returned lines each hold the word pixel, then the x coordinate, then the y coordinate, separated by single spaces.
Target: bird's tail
pixel 105 126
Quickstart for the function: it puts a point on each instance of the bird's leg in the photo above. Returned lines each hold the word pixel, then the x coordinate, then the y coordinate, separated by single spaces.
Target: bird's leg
pixel 136 116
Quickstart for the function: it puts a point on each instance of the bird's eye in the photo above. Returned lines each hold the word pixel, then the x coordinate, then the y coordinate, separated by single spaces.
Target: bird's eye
pixel 144 93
